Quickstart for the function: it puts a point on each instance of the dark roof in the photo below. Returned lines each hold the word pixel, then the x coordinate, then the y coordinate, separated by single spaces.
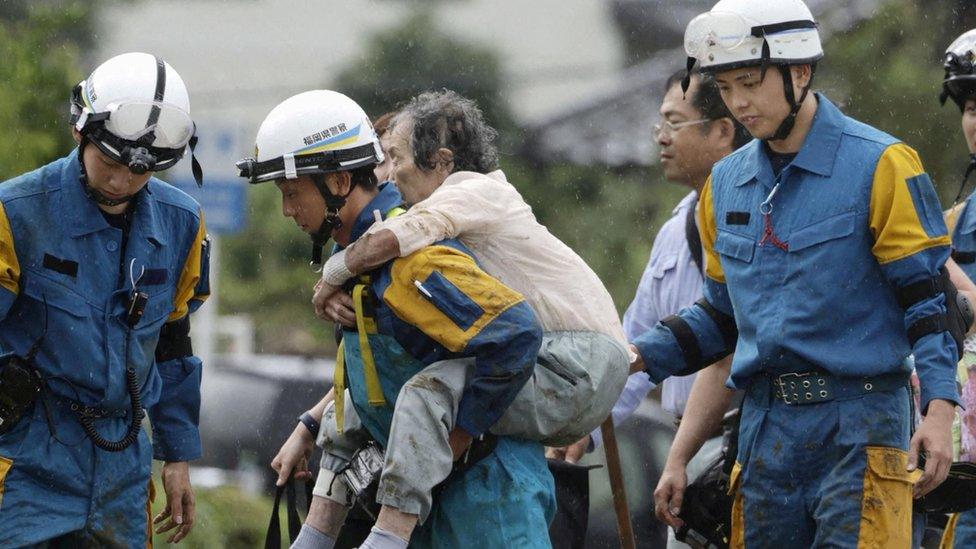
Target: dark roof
pixel 614 128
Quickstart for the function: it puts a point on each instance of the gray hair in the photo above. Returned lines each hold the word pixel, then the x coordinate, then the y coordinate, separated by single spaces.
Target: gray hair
pixel 447 120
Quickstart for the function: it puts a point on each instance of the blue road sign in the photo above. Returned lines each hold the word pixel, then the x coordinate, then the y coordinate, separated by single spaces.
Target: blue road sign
pixel 224 202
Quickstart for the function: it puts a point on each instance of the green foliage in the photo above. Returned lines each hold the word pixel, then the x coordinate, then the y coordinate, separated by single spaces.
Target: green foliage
pixel 889 69
pixel 39 45
pixel 225 517
pixel 265 273
pixel 414 57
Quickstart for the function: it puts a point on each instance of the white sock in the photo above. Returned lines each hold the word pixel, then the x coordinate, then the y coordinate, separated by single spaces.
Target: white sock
pixel 381 539
pixel 310 538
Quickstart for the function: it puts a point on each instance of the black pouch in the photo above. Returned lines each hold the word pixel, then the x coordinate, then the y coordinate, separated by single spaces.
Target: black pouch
pixel 20 383
pixel 956 494
pixel 362 476
pixel 707 506
pixel 707 510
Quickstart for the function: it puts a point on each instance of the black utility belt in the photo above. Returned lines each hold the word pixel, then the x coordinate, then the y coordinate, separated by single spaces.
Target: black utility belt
pixel 817 386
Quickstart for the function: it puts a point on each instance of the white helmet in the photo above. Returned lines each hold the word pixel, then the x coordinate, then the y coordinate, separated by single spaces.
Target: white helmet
pixel 135 109
pixel 748 33
pixel 959 82
pixel 742 33
pixel 314 132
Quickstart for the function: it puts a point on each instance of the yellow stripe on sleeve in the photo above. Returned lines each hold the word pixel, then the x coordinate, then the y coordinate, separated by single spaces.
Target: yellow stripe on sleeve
pixel 707 231
pixel 905 216
pixel 9 266
pixel 185 288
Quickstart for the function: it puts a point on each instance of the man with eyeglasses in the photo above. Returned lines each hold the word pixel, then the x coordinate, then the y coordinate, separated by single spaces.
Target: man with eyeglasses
pixel 100 266
pixel 695 131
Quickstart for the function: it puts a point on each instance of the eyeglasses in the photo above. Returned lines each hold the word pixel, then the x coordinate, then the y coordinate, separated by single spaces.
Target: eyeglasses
pixel 671 128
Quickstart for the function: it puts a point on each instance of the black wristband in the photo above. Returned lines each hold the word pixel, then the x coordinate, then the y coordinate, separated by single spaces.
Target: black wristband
pixel 309 422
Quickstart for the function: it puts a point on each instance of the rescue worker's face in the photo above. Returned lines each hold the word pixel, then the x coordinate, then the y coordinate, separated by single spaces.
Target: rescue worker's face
pixel 415 183
pixel 688 152
pixel 969 124
pixel 302 201
pixel 384 170
pixel 111 179
pixel 759 103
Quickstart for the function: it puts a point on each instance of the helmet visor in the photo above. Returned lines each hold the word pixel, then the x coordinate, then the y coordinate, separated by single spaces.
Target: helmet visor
pixel 151 123
pixel 722 30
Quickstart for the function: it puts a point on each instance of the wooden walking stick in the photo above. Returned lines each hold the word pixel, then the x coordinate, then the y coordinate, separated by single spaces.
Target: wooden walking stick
pixel 624 529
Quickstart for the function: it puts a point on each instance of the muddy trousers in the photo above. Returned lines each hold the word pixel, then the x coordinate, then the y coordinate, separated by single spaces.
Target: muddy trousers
pixel 65 492
pixel 576 381
pixel 830 474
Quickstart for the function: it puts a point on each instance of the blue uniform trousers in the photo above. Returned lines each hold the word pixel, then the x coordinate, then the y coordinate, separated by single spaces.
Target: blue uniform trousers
pixel 830 474
pixel 58 486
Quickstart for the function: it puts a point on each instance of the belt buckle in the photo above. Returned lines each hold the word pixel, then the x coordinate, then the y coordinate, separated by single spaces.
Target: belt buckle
pixel 802 388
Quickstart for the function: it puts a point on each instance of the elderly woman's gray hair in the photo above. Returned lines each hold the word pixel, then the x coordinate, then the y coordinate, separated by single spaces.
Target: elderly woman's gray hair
pixel 447 120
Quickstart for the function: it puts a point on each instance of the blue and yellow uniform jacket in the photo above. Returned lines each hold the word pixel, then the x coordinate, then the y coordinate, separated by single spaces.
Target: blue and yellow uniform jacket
pixel 66 275
pixel 433 305
pixel 855 218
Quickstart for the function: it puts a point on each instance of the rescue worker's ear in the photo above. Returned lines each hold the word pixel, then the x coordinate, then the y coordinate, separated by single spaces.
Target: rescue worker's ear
pixel 76 135
pixel 801 77
pixel 726 131
pixel 340 183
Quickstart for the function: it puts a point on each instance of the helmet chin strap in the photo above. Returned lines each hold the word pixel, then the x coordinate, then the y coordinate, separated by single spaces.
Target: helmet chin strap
pixel 93 193
pixel 331 222
pixel 969 171
pixel 786 126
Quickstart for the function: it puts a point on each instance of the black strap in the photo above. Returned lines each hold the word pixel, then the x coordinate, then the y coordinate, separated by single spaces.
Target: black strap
pixel 194 163
pixel 686 340
pixel 924 326
pixel 762 31
pixel 963 258
pixel 157 97
pixel 726 323
pixel 174 340
pixel 273 538
pixel 969 171
pixel 694 240
pixel 911 294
